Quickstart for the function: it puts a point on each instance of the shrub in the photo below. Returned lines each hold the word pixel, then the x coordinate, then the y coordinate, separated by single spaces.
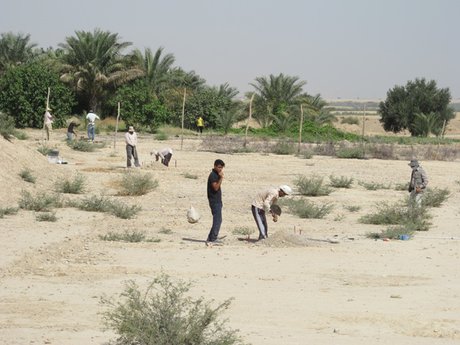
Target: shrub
pixel 243 231
pixel 311 186
pixel 44 149
pixel 163 314
pixel 40 202
pixel 352 208
pixel 327 149
pixel 402 186
pixel 382 151
pixel 134 183
pixel 283 147
pixel 26 175
pixel 165 231
pixel 374 185
pixel 8 211
pixel 190 176
pixel 46 217
pixel 306 154
pixel 102 204
pixel 20 135
pixel 73 186
pixel 82 145
pixel 6 126
pixel 351 120
pixel 398 214
pixel 307 209
pixel 134 236
pixel 434 197
pixel 351 152
pixel 340 182
pixel 393 232
pixel 161 136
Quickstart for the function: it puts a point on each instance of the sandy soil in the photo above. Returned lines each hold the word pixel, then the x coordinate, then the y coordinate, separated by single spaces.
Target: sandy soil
pixel 294 289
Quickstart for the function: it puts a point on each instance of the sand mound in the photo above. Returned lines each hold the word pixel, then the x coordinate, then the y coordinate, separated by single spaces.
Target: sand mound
pixel 15 156
pixel 284 239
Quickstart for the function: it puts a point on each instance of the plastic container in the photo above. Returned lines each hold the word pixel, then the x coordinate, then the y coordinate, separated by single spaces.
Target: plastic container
pixel 404 237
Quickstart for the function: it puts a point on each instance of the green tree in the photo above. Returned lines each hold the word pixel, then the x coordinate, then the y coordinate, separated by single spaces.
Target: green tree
pixel 93 64
pixel 403 103
pixel 274 95
pixel 155 67
pixel 15 50
pixel 138 107
pixel 23 92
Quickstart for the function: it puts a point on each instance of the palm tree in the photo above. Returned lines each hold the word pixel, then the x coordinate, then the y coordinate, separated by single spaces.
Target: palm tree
pixel 15 49
pixel 274 95
pixel 93 63
pixel 155 68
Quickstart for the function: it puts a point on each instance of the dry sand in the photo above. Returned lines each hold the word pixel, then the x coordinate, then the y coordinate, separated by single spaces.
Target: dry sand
pixel 294 289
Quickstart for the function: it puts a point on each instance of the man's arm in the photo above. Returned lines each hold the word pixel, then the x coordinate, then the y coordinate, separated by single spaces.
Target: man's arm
pixel 216 184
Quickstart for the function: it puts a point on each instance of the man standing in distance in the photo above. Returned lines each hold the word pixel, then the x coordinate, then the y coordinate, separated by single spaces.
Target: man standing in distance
pixel 91 117
pixel 215 199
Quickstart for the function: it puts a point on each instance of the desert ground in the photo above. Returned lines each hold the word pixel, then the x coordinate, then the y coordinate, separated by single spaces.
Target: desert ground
pixel 314 281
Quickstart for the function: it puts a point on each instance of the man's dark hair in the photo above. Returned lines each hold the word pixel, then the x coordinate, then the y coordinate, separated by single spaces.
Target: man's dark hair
pixel 219 162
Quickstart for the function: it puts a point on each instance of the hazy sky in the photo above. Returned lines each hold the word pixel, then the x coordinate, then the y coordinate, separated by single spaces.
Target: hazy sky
pixel 341 48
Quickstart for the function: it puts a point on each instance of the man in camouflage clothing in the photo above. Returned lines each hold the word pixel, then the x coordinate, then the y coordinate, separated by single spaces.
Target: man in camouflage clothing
pixel 418 182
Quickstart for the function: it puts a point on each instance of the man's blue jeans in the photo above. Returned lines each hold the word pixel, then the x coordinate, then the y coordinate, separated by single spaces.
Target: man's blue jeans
pixel 91 131
pixel 216 210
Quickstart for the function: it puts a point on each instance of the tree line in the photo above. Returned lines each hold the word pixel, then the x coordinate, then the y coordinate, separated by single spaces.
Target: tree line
pixel 96 70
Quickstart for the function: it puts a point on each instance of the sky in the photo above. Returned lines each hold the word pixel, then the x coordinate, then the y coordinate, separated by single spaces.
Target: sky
pixel 346 49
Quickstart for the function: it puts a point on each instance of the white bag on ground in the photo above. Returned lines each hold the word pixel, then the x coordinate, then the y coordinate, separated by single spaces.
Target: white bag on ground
pixel 192 215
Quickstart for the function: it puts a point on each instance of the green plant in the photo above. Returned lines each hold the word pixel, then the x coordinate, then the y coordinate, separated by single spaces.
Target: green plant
pixel 71 186
pixel 434 197
pixel 123 211
pixel 374 185
pixel 161 136
pixel 190 176
pixel 404 214
pixel 82 145
pixel 307 209
pixel 351 120
pixel 134 183
pixel 39 202
pixel 284 147
pixel 352 208
pixel 8 211
pixel 340 182
pixel 133 236
pixel 350 153
pixel 243 231
pixel 164 314
pixel 44 149
pixel 306 154
pixel 165 231
pixel 393 232
pixel 402 186
pixel 6 126
pixel 46 217
pixel 26 175
pixel 20 135
pixel 312 186
pixel 103 204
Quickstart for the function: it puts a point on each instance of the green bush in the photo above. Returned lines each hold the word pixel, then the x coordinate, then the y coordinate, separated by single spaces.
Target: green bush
pixel 307 209
pixel 6 126
pixel 312 186
pixel 71 186
pixel 8 211
pixel 20 135
pixel 123 211
pixel 350 153
pixel 190 176
pixel 306 154
pixel 393 232
pixel 374 185
pixel 163 314
pixel 340 182
pixel 26 175
pixel 402 186
pixel 134 183
pixel 82 145
pixel 404 214
pixel 161 136
pixel 133 236
pixel 351 120
pixel 244 231
pixel 352 208
pixel 283 147
pixel 434 197
pixel 41 202
pixel 103 204
pixel 44 149
pixel 46 217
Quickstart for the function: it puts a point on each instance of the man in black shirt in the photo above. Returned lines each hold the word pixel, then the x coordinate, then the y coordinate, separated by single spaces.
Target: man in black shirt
pixel 215 199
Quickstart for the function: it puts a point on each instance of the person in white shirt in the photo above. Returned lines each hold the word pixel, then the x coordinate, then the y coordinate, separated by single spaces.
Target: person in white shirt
pixel 47 123
pixel 165 154
pixel 131 150
pixel 91 117
pixel 261 205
